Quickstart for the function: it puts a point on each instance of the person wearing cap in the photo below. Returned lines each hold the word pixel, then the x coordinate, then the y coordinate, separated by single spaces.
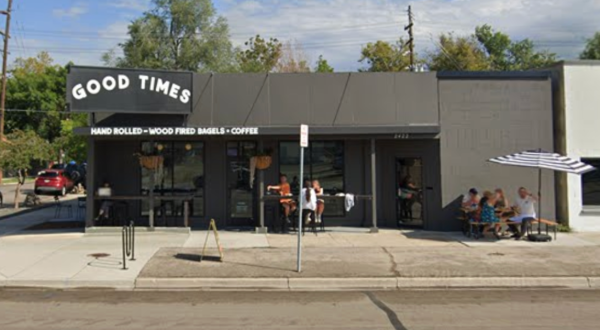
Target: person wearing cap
pixel 471 200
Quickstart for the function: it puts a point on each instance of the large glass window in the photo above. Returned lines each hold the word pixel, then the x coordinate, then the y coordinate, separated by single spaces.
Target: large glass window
pixel 323 161
pixel 590 183
pixel 182 174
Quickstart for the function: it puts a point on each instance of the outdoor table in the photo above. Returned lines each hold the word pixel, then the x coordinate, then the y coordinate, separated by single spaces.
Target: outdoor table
pixel 276 197
pixel 184 198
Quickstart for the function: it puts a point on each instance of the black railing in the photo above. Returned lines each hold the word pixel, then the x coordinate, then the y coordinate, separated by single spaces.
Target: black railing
pixel 128 240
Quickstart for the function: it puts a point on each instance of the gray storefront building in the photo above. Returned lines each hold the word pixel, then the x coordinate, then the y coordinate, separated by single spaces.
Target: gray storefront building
pixel 368 133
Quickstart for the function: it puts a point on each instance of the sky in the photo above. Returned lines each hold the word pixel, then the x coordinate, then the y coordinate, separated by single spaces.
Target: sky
pixel 82 30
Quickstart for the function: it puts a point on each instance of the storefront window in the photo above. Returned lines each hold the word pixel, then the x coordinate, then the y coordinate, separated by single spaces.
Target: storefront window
pixel 323 161
pixel 182 174
pixel 590 184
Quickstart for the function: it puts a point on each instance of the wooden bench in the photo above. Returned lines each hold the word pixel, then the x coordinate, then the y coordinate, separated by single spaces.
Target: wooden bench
pixel 546 222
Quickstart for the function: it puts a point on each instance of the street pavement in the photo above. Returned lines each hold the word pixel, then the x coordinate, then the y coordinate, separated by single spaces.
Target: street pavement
pixel 8 192
pixel 393 310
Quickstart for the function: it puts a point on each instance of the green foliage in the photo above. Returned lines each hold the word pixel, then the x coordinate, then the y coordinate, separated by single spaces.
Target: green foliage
pixel 322 65
pixel 21 148
pixel 36 85
pixel 74 146
pixel 178 35
pixel 383 56
pixel 260 55
pixel 487 49
pixel 562 228
pixel 592 48
pixel 457 54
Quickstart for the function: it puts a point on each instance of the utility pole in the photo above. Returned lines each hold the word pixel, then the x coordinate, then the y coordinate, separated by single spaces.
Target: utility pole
pixel 6 35
pixel 411 41
pixel 4 58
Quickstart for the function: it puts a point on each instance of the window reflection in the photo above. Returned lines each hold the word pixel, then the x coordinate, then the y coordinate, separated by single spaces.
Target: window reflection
pixel 182 174
pixel 590 183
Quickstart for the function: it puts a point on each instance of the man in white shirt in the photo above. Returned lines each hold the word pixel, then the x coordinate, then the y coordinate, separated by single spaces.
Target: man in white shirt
pixel 525 206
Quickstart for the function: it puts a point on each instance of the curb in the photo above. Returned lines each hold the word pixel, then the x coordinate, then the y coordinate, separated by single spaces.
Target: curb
pixel 68 284
pixel 360 284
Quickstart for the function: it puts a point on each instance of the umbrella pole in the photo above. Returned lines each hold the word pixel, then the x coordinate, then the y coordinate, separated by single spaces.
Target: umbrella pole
pixel 539 201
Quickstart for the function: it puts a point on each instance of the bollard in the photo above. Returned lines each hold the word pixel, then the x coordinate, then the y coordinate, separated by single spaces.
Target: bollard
pixel 124 238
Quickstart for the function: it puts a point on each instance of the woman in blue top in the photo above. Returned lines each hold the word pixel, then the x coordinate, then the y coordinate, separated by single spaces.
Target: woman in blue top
pixel 488 215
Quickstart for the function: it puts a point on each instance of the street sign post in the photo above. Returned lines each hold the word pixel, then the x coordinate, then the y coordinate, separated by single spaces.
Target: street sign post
pixel 303 144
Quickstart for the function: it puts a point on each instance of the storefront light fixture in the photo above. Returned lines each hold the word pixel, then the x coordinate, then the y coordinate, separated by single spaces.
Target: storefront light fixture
pixel 188 146
pixel 160 147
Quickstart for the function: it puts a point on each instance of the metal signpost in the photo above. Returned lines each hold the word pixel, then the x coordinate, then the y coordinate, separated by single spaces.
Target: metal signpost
pixel 303 144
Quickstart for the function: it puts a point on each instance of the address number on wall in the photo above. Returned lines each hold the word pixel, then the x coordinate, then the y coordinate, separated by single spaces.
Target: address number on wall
pixel 402 136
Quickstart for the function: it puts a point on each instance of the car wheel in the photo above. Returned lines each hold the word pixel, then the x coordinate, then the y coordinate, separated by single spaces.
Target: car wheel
pixel 63 192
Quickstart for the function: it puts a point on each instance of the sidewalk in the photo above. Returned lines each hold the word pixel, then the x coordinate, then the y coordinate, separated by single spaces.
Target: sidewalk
pixel 343 259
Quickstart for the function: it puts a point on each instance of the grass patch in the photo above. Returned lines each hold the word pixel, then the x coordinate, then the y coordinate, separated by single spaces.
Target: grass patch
pixel 562 228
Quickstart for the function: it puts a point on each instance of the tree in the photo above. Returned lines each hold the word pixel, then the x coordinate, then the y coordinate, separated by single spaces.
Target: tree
pixel 507 55
pixel 323 66
pixel 178 35
pixel 293 58
pixel 37 88
pixel 260 55
pixel 383 56
pixel 18 151
pixel 592 48
pixel 74 146
pixel 457 54
pixel 487 49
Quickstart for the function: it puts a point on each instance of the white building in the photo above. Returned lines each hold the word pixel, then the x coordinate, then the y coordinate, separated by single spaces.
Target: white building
pixel 577 134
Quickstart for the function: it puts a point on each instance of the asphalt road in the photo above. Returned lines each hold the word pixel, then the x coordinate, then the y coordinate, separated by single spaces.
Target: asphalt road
pixel 457 309
pixel 8 191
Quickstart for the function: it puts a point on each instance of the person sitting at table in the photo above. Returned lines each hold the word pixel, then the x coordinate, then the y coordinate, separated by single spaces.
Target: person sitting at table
pixel 503 207
pixel 471 200
pixel 106 205
pixel 284 189
pixel 316 185
pixel 525 207
pixel 488 215
pixel 309 202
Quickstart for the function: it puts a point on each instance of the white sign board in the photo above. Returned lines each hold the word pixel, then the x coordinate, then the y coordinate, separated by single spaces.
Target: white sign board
pixel 304 136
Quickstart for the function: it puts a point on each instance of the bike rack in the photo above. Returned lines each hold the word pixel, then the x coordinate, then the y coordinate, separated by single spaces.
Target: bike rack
pixel 128 240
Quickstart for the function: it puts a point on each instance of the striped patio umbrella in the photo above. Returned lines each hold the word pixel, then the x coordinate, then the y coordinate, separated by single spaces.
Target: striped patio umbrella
pixel 544 160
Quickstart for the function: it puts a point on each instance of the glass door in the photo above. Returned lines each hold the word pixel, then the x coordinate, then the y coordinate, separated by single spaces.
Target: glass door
pixel 409 206
pixel 240 192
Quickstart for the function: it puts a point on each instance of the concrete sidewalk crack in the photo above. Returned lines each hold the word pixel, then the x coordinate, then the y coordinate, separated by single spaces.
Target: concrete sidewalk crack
pixel 394 267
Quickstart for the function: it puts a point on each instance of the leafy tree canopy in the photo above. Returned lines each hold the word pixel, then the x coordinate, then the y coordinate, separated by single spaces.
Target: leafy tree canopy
pixel 178 35
pixel 260 55
pixel 487 49
pixel 37 85
pixel 383 56
pixel 323 66
pixel 592 48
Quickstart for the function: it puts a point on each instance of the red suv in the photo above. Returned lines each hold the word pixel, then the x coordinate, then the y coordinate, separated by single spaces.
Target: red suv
pixel 53 181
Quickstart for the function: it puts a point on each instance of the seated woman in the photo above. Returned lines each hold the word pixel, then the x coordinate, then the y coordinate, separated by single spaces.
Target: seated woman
pixel 488 215
pixel 284 189
pixel 471 200
pixel 320 202
pixel 106 205
pixel 309 203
